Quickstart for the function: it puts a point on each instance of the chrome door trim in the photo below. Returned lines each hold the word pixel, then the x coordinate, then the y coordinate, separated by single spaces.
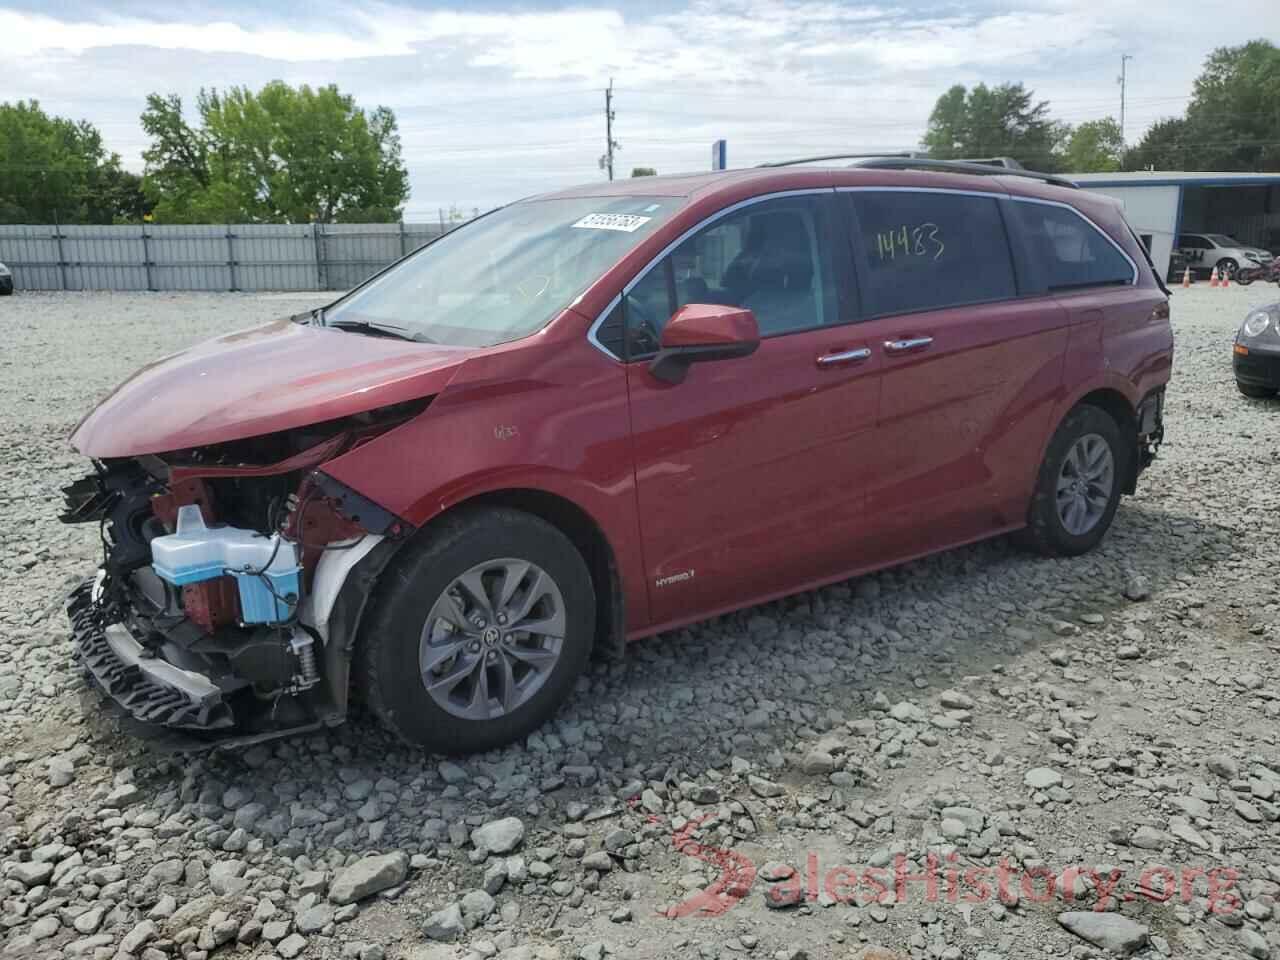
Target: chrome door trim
pixel 1097 229
pixel 657 258
pixel 992 194
pixel 591 333
pixel 907 344
pixel 844 356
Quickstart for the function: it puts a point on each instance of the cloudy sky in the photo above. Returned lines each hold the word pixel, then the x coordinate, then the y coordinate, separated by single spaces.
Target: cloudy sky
pixel 497 100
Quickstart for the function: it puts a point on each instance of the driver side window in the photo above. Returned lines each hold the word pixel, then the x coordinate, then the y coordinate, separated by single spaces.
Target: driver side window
pixel 770 257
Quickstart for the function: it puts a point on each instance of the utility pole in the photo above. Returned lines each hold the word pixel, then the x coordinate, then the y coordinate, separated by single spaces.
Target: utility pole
pixel 610 144
pixel 1124 60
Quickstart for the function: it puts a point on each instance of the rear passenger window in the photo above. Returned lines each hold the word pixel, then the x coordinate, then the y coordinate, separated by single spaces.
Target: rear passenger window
pixel 925 251
pixel 1068 250
pixel 772 257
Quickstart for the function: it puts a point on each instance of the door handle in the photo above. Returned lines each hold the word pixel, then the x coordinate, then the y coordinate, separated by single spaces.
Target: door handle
pixel 907 344
pixel 844 356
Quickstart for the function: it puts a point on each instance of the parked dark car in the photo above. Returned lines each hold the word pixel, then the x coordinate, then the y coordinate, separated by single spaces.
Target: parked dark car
pixel 1256 353
pixel 6 281
pixel 604 413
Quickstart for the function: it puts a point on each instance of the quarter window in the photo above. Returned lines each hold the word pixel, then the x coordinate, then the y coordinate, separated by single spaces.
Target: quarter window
pixel 771 257
pixel 1069 251
pixel 925 251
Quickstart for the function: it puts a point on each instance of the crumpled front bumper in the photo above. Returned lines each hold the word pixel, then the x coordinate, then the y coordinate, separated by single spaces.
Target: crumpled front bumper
pixel 146 687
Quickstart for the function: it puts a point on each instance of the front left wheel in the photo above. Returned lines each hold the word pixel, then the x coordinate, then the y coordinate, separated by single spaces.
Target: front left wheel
pixel 478 632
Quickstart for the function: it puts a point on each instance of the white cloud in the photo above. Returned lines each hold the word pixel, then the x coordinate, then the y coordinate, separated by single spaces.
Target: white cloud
pixel 499 103
pixel 28 34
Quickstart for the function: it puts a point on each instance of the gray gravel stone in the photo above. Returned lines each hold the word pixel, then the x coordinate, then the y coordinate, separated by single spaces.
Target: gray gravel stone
pixel 368 876
pixel 499 836
pixel 446 924
pixel 1109 931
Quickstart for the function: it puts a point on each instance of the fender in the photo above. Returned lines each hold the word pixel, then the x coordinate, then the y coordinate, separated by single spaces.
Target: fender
pixel 552 418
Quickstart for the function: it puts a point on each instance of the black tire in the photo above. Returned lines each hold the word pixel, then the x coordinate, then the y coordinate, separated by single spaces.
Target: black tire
pixel 1256 392
pixel 387 669
pixel 1227 268
pixel 1045 532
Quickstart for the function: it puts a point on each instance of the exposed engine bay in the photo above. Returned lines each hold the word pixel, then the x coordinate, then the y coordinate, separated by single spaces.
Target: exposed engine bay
pixel 233 579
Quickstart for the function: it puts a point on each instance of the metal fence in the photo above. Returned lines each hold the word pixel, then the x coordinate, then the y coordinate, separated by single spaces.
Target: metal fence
pixel 246 256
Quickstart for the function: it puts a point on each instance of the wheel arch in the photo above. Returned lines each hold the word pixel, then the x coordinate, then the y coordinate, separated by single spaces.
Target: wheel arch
pixel 1121 409
pixel 584 532
pixel 588 538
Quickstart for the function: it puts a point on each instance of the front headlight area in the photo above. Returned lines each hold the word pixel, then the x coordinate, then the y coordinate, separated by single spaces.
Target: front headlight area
pixel 220 565
pixel 1261 323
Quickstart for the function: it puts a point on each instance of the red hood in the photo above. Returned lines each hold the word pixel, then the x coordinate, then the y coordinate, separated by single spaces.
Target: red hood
pixel 258 381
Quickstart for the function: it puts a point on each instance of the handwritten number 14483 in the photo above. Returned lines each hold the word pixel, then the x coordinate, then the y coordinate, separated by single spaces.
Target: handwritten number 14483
pixel 921 241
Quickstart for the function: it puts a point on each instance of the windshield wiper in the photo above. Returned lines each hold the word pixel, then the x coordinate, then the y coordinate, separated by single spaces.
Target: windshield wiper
pixel 386 329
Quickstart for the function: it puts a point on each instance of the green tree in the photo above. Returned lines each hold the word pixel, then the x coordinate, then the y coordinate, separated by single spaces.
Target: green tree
pixel 1233 121
pixel 1163 147
pixel 283 154
pixel 999 121
pixel 1094 147
pixel 644 171
pixel 54 168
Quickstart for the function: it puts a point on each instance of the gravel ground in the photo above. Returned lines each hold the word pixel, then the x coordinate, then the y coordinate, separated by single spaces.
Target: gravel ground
pixel 1020 720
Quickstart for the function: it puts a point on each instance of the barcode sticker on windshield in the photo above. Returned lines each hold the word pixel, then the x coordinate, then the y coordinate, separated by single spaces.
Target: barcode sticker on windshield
pixel 626 222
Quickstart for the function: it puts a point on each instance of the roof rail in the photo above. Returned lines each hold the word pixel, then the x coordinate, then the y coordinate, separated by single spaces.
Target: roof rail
pixel 837 156
pixel 908 160
pixel 960 166
pixel 1007 162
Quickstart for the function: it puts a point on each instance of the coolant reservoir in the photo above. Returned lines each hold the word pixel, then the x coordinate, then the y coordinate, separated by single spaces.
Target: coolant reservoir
pixel 266 569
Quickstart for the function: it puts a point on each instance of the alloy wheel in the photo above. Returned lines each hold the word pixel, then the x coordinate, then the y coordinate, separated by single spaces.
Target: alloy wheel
pixel 1085 482
pixel 492 639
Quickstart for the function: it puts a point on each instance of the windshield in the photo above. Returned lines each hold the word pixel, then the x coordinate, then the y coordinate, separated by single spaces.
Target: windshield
pixel 507 274
pixel 1222 240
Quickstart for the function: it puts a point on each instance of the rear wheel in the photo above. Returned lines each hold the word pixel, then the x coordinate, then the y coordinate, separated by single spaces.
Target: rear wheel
pixel 1227 268
pixel 1079 484
pixel 478 633
pixel 1256 392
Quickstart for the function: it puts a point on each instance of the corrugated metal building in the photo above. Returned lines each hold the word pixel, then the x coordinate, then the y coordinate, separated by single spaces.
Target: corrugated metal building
pixel 1162 204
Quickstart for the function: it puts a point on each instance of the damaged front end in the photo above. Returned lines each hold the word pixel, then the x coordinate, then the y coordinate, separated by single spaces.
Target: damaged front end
pixel 233 579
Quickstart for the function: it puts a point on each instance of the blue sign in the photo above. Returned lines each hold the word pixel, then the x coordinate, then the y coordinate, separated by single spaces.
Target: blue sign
pixel 719 155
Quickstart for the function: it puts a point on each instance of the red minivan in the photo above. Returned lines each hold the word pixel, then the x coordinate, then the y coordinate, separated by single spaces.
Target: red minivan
pixel 600 414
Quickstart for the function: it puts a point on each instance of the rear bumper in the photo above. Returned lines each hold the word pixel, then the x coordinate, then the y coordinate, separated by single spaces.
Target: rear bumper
pixel 1257 368
pixel 146 687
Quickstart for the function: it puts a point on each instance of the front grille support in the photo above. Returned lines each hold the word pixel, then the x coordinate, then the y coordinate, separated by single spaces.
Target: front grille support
pixel 149 689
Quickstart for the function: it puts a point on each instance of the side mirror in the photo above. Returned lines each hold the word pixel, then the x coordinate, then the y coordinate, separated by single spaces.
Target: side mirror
pixel 704 331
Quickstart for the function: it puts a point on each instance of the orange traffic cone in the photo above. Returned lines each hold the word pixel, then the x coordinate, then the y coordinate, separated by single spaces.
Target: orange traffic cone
pixel 1226 279
pixel 1213 278
pixel 1186 277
